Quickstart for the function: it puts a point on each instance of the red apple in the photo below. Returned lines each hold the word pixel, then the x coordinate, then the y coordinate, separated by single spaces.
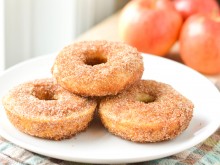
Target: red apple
pixel 189 7
pixel 200 43
pixel 152 26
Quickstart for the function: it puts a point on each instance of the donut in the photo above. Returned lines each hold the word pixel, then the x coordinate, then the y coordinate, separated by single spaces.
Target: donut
pixel 149 111
pixel 44 109
pixel 97 68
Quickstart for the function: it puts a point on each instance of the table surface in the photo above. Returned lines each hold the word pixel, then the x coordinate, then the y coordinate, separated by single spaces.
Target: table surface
pixel 207 152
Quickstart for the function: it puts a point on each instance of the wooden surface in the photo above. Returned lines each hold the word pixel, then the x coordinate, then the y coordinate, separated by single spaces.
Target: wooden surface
pixel 108 30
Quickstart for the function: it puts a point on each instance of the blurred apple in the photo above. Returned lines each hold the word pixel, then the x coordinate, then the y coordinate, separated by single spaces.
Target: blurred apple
pixel 152 26
pixel 189 7
pixel 200 43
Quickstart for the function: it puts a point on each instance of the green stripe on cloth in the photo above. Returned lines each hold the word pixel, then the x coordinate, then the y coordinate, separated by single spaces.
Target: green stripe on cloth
pixel 212 157
pixel 34 160
pixel 4 146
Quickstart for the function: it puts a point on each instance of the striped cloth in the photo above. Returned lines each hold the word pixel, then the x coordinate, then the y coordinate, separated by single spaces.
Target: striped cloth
pixel 206 153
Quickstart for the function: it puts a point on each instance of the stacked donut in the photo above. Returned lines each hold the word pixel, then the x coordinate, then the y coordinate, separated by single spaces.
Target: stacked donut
pixel 85 72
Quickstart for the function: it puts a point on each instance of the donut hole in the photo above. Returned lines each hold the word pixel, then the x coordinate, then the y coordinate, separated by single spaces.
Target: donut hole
pixel 43 93
pixel 95 60
pixel 146 98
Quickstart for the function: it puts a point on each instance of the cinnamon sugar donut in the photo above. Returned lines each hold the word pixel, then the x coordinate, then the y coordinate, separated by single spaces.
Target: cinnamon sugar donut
pixel 97 68
pixel 44 109
pixel 149 111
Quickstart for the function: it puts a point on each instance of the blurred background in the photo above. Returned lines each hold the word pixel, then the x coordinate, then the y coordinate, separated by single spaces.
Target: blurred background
pixel 30 28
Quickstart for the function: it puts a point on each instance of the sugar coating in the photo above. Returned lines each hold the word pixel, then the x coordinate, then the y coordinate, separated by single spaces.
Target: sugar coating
pixel 62 116
pixel 123 68
pixel 164 118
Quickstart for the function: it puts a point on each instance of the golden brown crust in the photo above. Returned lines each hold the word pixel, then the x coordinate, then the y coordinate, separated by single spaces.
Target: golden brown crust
pixel 118 67
pixel 44 109
pixel 166 115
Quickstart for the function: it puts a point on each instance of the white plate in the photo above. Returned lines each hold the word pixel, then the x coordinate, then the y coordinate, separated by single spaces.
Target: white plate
pixel 96 145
